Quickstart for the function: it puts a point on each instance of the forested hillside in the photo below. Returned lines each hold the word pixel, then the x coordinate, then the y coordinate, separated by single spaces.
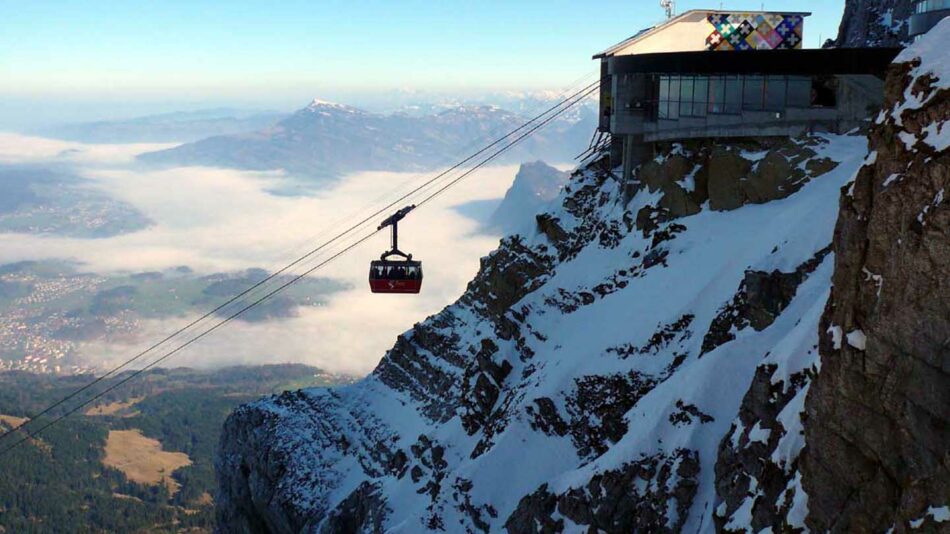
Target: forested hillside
pixel 61 482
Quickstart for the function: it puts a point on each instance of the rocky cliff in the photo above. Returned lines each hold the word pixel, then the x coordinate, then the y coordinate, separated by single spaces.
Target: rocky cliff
pixel 874 23
pixel 878 430
pixel 639 360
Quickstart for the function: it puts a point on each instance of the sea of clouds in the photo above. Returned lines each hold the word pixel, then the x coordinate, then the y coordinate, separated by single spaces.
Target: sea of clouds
pixel 213 220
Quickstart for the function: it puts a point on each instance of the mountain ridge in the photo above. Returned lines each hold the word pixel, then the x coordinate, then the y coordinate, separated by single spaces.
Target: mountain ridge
pixel 325 140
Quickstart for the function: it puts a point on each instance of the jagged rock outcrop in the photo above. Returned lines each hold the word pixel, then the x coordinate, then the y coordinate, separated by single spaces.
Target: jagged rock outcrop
pixel 761 298
pixel 728 176
pixel 878 427
pixel 874 23
pixel 639 497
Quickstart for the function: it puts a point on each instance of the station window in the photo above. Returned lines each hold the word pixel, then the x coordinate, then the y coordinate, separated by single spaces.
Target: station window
pixel 799 92
pixel 926 6
pixel 753 88
pixel 669 97
pixel 697 96
pixel 725 95
pixel 774 93
pixel 682 96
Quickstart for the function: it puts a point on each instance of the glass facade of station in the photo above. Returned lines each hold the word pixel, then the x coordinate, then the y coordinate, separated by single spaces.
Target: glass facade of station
pixel 927 14
pixel 926 6
pixel 679 96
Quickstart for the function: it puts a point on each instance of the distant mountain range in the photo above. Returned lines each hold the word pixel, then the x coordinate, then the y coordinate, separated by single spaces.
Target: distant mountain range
pixel 181 127
pixel 324 140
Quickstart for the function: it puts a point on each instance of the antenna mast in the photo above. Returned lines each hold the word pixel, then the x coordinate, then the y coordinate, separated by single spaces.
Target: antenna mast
pixel 669 6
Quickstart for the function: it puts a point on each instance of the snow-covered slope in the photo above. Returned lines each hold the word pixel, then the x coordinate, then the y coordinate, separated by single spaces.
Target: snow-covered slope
pixel 639 361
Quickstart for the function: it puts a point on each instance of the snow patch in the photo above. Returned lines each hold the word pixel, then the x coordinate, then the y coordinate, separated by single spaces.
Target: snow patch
pixel 799 510
pixel 688 182
pixel 741 519
pixel 941 514
pixel 937 135
pixel 793 441
pixel 876 278
pixel 891 179
pixel 909 140
pixel 754 156
pixel 934 55
pixel 836 335
pixel 857 339
pixel 759 434
pixel 932 51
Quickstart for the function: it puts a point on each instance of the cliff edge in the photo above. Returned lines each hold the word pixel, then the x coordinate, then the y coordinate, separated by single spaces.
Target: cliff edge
pixel 878 426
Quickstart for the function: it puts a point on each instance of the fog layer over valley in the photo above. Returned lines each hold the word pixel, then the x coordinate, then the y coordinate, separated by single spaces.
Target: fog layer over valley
pixel 209 226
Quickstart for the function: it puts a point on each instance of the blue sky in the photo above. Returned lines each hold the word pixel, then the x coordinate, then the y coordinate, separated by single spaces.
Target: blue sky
pixel 279 54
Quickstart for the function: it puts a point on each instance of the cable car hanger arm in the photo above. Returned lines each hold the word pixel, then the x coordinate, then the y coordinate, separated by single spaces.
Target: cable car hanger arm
pixel 393 220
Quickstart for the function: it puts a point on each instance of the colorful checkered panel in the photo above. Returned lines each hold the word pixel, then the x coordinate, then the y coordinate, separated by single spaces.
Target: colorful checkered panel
pixel 754 31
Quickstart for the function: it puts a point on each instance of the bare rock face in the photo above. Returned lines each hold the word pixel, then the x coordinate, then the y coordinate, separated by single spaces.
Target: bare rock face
pixel 874 23
pixel 878 414
pixel 729 176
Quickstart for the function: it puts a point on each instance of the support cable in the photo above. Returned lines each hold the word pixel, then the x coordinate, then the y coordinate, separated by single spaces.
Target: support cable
pixel 570 102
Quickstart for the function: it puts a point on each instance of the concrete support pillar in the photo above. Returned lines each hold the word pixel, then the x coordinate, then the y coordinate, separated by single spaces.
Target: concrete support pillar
pixel 629 158
pixel 616 151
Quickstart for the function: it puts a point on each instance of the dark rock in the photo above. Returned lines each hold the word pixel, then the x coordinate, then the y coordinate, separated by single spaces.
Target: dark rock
pixel 685 414
pixel 760 299
pixel 597 408
pixel 364 510
pixel 533 514
pixel 742 460
pixel 613 501
pixel 874 23
pixel 545 417
pixel 878 414
pixel 726 170
pixel 550 227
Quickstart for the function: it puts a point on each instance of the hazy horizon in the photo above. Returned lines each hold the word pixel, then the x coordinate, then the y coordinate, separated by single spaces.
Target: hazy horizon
pixel 101 61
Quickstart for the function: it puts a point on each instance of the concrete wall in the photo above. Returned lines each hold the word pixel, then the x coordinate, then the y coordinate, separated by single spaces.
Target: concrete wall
pixel 685 35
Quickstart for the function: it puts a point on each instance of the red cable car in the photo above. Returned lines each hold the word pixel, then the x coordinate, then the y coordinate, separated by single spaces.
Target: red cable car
pixel 395 276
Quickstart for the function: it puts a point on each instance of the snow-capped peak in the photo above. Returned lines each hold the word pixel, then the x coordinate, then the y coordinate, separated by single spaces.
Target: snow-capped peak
pixel 323 105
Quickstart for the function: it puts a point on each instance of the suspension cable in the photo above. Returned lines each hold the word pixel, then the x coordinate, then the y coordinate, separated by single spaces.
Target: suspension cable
pixel 570 102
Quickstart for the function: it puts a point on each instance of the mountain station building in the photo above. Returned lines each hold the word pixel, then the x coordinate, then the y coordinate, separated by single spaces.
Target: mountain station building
pixel 709 74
